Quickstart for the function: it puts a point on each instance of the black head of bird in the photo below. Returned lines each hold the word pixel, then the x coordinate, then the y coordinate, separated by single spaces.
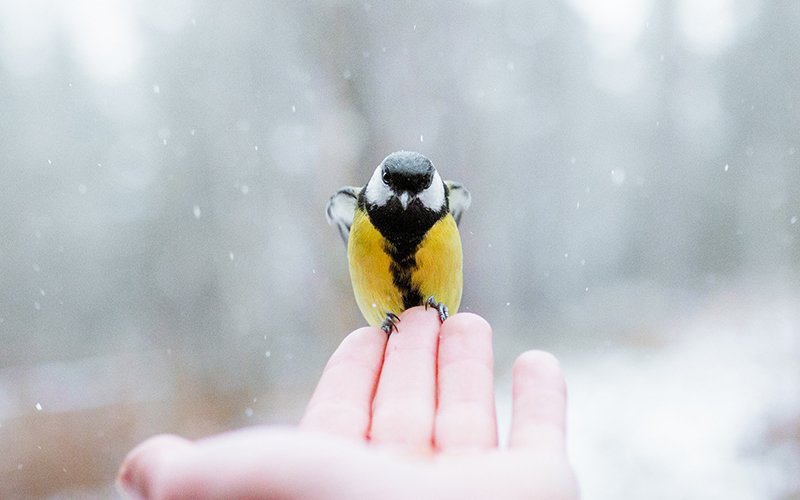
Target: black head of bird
pixel 405 197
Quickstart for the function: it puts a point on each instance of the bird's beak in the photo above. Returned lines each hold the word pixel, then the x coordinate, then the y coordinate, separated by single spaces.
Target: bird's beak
pixel 404 197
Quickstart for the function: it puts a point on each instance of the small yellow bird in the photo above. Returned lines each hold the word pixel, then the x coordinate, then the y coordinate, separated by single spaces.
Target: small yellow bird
pixel 401 232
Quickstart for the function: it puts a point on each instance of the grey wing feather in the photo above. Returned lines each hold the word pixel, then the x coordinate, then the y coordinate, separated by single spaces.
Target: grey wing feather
pixel 341 210
pixel 459 199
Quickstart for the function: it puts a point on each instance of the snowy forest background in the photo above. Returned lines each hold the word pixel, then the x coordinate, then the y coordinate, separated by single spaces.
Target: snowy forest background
pixel 165 264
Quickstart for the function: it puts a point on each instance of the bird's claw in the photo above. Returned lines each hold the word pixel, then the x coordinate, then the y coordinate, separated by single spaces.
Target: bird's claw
pixel 390 323
pixel 439 306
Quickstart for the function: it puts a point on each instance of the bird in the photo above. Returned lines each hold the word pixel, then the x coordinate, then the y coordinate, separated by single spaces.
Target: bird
pixel 403 244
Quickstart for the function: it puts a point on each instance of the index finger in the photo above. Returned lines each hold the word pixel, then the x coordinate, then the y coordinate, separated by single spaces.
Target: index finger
pixel 342 403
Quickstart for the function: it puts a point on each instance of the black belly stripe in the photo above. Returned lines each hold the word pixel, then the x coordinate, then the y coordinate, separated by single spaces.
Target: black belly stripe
pixel 403 230
pixel 402 267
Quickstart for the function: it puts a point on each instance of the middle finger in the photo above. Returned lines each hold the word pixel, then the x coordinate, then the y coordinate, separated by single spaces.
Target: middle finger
pixel 405 401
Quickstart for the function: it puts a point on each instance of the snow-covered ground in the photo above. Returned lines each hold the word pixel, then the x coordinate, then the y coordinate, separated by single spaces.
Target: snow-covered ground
pixel 711 414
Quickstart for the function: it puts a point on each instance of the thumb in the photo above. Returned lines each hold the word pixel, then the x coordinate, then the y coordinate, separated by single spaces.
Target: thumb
pixel 138 476
pixel 255 462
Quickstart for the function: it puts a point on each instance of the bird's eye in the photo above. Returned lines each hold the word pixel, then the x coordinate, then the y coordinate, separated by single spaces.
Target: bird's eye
pixel 428 181
pixel 386 177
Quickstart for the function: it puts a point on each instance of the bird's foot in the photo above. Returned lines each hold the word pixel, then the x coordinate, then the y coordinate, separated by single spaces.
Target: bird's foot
pixel 439 306
pixel 390 323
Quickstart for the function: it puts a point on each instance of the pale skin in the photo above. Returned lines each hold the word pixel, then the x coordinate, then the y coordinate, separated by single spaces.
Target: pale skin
pixel 411 417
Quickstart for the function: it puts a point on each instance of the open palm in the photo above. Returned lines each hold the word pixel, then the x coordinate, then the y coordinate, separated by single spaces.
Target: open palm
pixel 408 417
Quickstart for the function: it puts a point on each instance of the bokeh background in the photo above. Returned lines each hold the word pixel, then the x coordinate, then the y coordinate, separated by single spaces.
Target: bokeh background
pixel 165 264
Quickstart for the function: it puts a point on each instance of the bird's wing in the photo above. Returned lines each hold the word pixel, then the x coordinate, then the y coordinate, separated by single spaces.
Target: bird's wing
pixel 459 199
pixel 341 209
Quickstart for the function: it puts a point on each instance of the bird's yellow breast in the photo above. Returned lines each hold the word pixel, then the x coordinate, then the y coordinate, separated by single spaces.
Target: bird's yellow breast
pixel 437 268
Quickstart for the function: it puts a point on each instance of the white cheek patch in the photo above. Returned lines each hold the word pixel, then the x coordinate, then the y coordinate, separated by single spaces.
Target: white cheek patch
pixel 378 193
pixel 433 196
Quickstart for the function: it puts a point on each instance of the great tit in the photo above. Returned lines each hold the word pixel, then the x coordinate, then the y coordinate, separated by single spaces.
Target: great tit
pixel 401 232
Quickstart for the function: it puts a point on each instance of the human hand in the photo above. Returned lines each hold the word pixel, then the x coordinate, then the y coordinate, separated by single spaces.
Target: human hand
pixel 412 417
